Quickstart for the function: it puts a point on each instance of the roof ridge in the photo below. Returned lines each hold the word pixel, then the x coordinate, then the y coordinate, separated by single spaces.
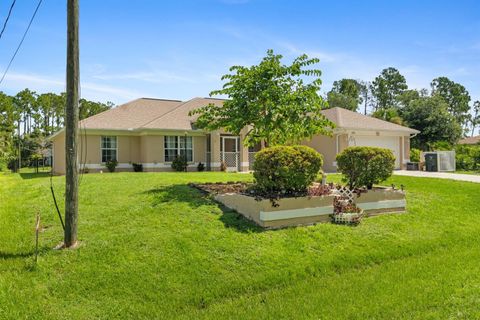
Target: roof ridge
pixel 161 99
pixel 181 104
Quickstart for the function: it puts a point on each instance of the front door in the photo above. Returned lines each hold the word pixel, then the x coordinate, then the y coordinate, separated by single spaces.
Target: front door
pixel 229 152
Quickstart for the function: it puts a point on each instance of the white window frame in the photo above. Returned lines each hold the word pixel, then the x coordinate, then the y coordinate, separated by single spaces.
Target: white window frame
pixel 179 148
pixel 102 148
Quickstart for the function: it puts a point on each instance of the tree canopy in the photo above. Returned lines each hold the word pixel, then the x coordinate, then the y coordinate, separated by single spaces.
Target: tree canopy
pixel 345 93
pixel 430 116
pixel 455 95
pixel 274 101
pixel 387 87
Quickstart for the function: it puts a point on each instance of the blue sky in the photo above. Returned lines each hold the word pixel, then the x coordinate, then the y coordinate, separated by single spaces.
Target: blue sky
pixel 180 49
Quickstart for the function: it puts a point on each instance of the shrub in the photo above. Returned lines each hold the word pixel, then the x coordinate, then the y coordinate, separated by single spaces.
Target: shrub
pixel 179 163
pixel 111 165
pixel 223 166
pixel 286 169
pixel 200 167
pixel 364 166
pixel 137 167
pixel 415 155
pixel 467 157
pixel 3 164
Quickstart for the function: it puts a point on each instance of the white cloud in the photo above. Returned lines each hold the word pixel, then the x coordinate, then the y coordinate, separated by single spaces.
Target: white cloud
pixel 15 82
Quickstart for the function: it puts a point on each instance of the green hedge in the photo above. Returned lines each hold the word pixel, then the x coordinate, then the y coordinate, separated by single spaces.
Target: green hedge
pixel 286 169
pixel 415 155
pixel 365 166
pixel 467 157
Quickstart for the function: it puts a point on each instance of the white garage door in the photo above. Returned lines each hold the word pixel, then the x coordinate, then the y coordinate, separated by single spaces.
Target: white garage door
pixel 392 143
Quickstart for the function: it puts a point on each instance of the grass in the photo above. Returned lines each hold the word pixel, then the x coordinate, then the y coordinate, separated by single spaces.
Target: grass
pixel 467 172
pixel 151 247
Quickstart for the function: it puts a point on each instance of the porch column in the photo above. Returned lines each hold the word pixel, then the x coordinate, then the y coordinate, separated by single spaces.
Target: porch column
pixel 215 151
pixel 243 150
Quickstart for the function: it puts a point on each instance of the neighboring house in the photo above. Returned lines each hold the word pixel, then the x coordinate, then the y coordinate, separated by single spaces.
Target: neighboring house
pixel 470 140
pixel 153 131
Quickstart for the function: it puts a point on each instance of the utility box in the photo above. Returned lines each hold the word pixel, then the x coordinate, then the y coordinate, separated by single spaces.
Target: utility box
pixel 439 161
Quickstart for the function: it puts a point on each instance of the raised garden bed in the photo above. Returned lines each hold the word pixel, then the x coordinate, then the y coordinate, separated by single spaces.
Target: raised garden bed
pixel 302 209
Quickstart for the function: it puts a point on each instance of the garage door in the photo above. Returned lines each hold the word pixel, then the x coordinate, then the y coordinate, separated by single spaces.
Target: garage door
pixel 391 143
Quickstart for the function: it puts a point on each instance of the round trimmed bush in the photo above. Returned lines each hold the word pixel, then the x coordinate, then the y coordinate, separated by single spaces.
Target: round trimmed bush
pixel 365 166
pixel 286 169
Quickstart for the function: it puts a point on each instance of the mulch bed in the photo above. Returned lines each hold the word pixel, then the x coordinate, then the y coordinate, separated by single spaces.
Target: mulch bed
pixel 222 188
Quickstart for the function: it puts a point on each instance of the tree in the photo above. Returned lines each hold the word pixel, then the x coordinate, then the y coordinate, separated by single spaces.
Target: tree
pixel 366 94
pixel 388 114
pixel 455 95
pixel 90 108
pixel 475 120
pixel 24 103
pixel 430 116
pixel 387 87
pixel 272 100
pixel 345 94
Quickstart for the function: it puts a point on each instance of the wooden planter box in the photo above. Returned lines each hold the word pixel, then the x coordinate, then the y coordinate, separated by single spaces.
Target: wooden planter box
pixel 309 210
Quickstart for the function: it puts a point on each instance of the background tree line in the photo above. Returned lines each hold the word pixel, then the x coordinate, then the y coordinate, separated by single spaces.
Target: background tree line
pixel 443 114
pixel 28 118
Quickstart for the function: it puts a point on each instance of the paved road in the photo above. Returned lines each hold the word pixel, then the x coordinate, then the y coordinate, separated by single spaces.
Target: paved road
pixel 440 175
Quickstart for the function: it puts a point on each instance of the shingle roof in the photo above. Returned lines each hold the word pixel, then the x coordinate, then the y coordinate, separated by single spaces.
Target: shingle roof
pixel 470 140
pixel 130 115
pixel 178 117
pixel 148 114
pixel 346 119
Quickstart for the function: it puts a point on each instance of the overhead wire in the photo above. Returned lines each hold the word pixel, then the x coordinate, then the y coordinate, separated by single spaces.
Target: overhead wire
pixel 21 41
pixel 7 18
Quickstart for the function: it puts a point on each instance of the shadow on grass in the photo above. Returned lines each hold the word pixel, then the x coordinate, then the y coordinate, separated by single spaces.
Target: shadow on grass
pixel 21 255
pixel 194 198
pixel 33 175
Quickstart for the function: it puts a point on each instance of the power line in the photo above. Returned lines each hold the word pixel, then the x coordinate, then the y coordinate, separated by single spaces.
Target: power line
pixel 21 41
pixel 8 17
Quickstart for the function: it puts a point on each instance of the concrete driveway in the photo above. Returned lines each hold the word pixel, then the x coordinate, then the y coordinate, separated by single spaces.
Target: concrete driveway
pixel 440 175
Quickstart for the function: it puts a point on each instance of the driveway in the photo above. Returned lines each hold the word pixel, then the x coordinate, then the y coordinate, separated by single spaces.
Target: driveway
pixel 440 175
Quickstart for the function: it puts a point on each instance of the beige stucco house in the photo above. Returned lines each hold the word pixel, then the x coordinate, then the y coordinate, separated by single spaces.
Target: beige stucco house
pixel 153 131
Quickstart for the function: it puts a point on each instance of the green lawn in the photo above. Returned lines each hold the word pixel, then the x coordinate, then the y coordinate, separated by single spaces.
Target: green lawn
pixel 151 247
pixel 467 172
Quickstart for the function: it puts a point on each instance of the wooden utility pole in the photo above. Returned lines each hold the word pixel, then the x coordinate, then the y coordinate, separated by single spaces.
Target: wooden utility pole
pixel 71 126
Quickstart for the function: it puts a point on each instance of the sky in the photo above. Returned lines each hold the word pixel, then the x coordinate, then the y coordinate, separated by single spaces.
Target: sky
pixel 180 49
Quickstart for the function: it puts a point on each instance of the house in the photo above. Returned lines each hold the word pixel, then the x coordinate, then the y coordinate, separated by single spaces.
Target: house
pixel 153 131
pixel 470 140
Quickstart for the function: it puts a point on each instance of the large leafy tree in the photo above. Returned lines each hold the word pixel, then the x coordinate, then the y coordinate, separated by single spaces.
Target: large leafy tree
pixel 455 95
pixel 272 100
pixel 430 116
pixel 345 94
pixel 387 87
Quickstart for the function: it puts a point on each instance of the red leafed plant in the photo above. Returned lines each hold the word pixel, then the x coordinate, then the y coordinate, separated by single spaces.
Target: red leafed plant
pixel 320 190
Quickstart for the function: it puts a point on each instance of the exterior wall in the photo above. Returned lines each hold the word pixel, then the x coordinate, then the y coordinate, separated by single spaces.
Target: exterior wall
pixel 148 150
pixel 200 149
pixel 59 154
pixel 342 142
pixel 327 146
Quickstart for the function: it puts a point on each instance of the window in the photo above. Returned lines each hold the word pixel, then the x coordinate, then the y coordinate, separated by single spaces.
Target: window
pixel 178 145
pixel 109 148
pixel 171 148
